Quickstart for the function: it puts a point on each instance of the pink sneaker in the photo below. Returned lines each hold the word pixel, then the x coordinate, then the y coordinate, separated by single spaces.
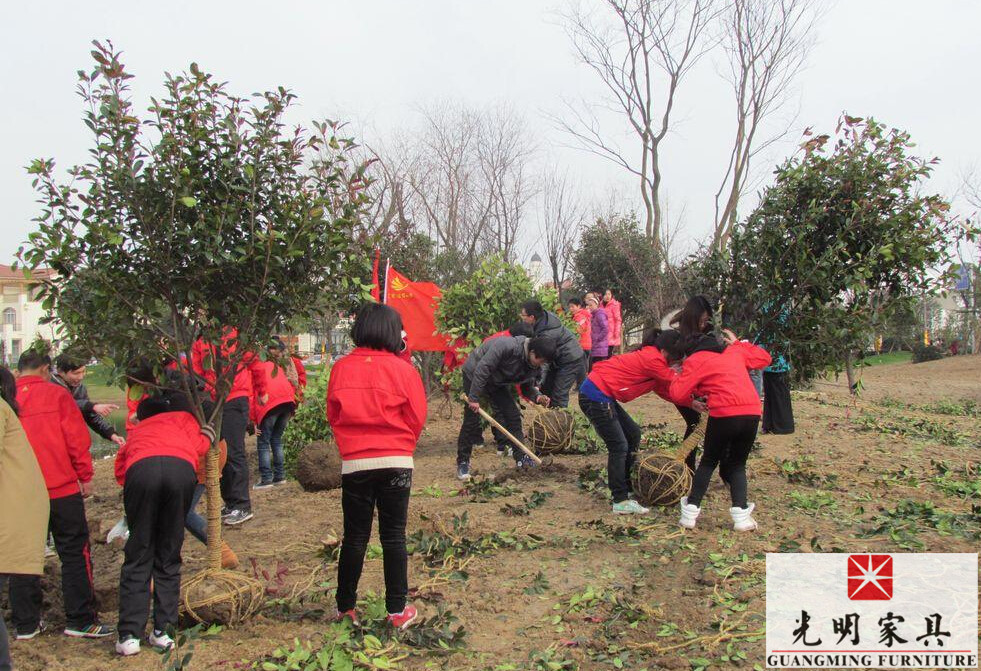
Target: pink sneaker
pixel 402 620
pixel 353 614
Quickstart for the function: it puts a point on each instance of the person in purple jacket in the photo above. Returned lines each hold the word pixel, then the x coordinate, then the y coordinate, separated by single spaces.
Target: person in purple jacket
pixel 599 330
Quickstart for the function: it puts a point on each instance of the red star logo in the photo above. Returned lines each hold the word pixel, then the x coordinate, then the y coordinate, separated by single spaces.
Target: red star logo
pixel 869 577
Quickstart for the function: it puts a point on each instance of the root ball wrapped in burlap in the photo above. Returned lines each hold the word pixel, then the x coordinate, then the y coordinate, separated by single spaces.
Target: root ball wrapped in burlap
pixel 552 432
pixel 661 480
pixel 221 597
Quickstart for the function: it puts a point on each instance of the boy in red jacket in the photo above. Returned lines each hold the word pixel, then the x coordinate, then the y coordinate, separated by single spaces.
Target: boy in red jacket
pixel 249 380
pixel 157 468
pixel 376 406
pixel 734 416
pixel 60 438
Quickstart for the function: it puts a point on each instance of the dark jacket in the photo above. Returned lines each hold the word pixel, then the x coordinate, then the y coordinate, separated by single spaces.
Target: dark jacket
pixel 80 394
pixel 567 349
pixel 501 362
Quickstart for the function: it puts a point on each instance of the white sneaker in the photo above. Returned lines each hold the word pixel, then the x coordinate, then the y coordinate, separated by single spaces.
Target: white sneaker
pixel 160 640
pixel 689 514
pixel 128 647
pixel 742 518
pixel 629 507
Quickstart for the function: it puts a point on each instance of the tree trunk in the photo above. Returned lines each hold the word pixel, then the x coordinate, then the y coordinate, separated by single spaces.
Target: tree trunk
pixel 850 372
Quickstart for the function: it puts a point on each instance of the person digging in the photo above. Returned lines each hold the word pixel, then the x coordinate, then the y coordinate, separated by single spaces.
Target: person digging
pixel 490 372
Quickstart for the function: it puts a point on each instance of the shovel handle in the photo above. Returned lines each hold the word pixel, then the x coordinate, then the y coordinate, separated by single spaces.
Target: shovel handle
pixel 507 434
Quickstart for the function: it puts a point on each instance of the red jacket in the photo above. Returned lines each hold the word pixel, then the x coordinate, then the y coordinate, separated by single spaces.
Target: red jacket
pixel 376 405
pixel 249 379
pixel 627 376
pixel 723 379
pixel 279 388
pixel 169 434
pixel 584 321
pixel 57 432
pixel 616 321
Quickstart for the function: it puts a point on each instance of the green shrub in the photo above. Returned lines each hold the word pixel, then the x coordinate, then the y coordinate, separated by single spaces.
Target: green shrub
pixel 310 421
pixel 923 353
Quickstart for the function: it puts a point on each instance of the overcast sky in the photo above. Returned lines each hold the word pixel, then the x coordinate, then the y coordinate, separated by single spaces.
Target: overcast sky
pixel 909 63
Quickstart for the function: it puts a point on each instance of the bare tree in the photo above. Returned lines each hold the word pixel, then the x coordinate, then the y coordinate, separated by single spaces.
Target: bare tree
pixel 561 219
pixel 470 179
pixel 766 42
pixel 641 50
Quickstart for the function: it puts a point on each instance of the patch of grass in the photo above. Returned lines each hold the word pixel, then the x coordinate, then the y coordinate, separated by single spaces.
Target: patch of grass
pixel 529 503
pixel 482 490
pixel 914 427
pixel 813 502
pixel 909 517
pixel 887 359
pixel 964 407
pixel 437 546
pixel 946 479
pixel 799 471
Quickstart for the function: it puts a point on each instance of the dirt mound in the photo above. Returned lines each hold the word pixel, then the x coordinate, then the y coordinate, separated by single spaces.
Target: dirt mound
pixel 319 467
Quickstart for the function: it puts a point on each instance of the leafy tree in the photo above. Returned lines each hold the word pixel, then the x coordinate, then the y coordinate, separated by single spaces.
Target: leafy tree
pixel 842 241
pixel 204 215
pixel 614 253
pixel 489 301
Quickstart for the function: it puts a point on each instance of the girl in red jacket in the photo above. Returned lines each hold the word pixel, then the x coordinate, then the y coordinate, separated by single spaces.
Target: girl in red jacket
pixel 734 416
pixel 376 406
pixel 618 380
pixel 157 469
pixel 271 414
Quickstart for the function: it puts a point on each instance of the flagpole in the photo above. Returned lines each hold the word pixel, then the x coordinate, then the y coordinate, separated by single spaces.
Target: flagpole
pixel 388 265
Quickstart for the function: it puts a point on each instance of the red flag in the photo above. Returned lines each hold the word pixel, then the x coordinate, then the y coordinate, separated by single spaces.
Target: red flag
pixel 375 286
pixel 416 302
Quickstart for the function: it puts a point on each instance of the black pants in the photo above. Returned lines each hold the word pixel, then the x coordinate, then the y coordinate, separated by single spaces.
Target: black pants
pixel 157 497
pixel 560 377
pixel 622 437
pixel 504 409
pixel 67 524
pixel 595 359
pixel 5 663
pixel 728 441
pixel 388 490
pixel 778 412
pixel 691 417
pixel 235 475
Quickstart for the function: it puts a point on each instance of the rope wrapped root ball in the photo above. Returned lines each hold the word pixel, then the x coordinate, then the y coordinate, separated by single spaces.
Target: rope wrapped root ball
pixel 221 597
pixel 661 480
pixel 552 432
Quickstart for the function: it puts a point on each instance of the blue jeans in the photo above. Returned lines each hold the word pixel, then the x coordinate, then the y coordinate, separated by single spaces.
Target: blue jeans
pixel 194 523
pixel 270 442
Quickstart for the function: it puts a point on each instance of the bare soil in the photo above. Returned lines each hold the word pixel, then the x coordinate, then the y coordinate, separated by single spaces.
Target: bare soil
pixel 648 594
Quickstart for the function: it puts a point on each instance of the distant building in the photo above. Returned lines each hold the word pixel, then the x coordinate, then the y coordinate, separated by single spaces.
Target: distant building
pixel 21 314
pixel 536 270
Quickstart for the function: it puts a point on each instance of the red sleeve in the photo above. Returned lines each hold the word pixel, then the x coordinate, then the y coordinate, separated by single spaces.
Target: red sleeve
pixel 416 396
pixel 120 466
pixel 755 357
pixel 254 364
pixel 683 385
pixel 77 437
pixel 333 406
pixel 301 374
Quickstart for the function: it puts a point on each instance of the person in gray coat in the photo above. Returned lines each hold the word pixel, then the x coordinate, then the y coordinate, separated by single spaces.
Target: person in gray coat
pixel 569 367
pixel 490 372
pixel 69 374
